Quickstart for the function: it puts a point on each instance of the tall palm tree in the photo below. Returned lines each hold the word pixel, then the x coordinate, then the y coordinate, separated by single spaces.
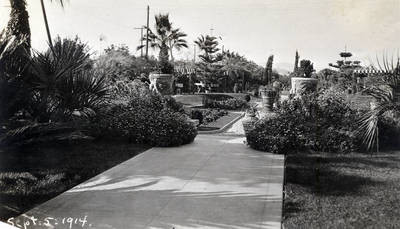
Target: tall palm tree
pixel 18 25
pixel 19 21
pixel 165 38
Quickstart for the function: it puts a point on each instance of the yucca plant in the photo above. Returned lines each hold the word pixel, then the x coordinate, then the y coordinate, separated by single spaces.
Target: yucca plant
pixel 386 92
pixel 81 94
pixel 64 80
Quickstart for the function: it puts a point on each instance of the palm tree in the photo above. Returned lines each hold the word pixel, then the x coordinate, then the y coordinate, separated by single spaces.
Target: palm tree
pixel 177 42
pixel 386 92
pixel 165 38
pixel 19 21
pixel 18 25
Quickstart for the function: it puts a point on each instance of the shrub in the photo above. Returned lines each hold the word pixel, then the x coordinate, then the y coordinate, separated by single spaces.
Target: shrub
pixel 197 114
pixel 147 120
pixel 228 104
pixel 321 123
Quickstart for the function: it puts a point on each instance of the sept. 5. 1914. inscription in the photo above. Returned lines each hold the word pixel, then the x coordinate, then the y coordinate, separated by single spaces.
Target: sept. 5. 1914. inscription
pixel 27 222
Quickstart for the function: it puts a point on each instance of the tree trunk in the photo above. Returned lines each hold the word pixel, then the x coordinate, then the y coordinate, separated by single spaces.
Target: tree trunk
pixel 170 51
pixel 163 55
pixel 46 24
pixel 172 57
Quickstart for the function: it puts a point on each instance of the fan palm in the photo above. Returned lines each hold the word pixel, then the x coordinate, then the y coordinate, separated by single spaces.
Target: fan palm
pixel 165 38
pixel 386 94
pixel 177 42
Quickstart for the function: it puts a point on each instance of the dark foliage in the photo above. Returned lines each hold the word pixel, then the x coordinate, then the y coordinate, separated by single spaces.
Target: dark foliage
pixel 319 123
pixel 152 120
pixel 13 93
pixel 389 133
pixel 18 25
pixel 64 82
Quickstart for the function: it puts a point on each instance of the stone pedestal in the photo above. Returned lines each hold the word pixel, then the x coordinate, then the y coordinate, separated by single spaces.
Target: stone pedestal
pixel 161 83
pixel 301 85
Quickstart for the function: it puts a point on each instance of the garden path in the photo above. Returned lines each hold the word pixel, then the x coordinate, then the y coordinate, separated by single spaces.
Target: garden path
pixel 215 182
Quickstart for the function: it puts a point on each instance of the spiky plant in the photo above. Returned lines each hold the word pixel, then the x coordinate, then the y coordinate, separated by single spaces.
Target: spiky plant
pixel 64 82
pixel 385 91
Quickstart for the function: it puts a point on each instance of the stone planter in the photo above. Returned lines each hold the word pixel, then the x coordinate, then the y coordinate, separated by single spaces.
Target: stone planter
pixel 248 122
pixel 301 85
pixel 161 83
pixel 268 98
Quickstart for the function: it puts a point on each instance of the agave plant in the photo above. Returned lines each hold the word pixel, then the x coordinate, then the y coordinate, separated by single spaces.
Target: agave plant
pixel 385 92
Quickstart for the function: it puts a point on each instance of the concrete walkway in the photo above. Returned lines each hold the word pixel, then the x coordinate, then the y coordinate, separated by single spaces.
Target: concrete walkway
pixel 215 182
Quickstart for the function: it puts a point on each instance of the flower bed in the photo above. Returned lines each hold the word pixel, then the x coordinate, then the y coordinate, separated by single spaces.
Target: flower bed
pixel 228 104
pixel 206 116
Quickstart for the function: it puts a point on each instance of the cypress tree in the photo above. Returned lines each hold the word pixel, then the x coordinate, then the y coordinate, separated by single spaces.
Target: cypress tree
pixel 268 70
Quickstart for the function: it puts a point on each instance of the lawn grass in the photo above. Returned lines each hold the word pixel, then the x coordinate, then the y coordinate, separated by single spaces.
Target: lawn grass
pixel 31 176
pixel 346 191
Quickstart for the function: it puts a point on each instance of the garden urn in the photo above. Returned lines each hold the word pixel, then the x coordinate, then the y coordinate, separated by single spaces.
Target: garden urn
pixel 249 121
pixel 162 83
pixel 268 99
pixel 302 84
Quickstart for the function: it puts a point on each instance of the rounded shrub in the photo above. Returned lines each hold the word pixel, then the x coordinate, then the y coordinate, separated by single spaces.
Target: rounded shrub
pixel 147 120
pixel 321 122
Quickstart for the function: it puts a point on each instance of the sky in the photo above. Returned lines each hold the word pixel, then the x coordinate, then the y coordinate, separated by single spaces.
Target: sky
pixel 318 29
